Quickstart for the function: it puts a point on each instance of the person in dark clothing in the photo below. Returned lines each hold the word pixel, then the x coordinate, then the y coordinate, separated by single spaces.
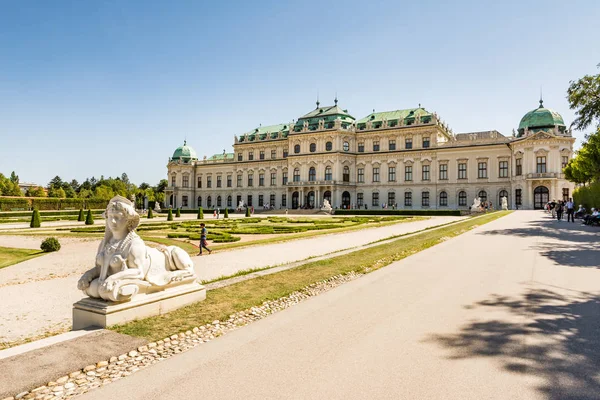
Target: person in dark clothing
pixel 560 207
pixel 203 242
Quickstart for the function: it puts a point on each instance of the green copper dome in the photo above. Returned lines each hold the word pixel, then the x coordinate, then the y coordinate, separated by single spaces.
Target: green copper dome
pixel 184 153
pixel 540 118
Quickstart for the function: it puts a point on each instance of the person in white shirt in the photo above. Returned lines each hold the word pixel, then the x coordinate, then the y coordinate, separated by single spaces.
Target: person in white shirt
pixel 570 206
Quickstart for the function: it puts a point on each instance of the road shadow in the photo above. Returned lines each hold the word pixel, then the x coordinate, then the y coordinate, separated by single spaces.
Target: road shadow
pixel 565 243
pixel 559 341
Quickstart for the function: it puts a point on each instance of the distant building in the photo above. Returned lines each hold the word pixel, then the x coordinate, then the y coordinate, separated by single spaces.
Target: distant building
pixel 404 158
pixel 25 186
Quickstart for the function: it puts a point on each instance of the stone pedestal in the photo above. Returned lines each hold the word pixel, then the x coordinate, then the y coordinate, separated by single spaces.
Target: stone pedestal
pixel 96 312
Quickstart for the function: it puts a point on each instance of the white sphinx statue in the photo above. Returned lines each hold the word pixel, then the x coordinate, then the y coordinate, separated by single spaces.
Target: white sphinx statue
pixel 157 207
pixel 504 203
pixel 241 205
pixel 125 266
pixel 326 206
pixel 476 207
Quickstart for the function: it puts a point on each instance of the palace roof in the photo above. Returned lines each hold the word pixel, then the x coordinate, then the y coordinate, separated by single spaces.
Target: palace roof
pixel 393 117
pixel 540 118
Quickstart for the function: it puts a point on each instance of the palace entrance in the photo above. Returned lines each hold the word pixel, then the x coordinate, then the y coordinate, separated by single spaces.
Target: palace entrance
pixel 345 200
pixel 295 197
pixel 310 200
pixel 327 196
pixel 541 196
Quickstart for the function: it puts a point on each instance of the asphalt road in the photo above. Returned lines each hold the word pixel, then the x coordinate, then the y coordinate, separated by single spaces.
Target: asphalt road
pixel 510 310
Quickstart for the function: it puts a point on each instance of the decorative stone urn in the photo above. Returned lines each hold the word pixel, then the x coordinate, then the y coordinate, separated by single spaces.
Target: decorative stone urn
pixel 129 275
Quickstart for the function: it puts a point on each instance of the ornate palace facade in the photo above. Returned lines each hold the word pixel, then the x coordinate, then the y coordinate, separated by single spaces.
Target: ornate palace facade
pixel 407 158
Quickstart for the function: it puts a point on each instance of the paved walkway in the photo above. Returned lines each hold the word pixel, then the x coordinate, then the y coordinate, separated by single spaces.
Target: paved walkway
pixel 509 310
pixel 43 302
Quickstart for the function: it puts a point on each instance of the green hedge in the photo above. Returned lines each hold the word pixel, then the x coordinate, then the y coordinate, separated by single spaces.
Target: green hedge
pixel 69 213
pixel 398 212
pixel 47 203
pixel 588 196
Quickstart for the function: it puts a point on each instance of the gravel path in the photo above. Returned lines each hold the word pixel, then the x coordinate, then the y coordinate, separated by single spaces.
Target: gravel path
pixel 37 295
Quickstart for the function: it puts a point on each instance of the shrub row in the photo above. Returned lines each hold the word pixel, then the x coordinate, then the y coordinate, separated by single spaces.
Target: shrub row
pixel 45 203
pixel 66 213
pixel 588 196
pixel 398 212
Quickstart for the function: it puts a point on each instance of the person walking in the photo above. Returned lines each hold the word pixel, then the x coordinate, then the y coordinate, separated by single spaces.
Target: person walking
pixel 560 207
pixel 203 242
pixel 570 210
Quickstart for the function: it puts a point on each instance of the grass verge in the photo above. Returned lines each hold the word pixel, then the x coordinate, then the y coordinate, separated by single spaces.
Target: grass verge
pixel 10 256
pixel 222 302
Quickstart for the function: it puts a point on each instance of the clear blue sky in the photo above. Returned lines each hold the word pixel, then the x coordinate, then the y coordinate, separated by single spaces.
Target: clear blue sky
pixel 105 87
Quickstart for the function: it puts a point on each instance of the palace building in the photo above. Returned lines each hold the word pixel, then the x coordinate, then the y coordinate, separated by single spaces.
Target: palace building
pixel 408 158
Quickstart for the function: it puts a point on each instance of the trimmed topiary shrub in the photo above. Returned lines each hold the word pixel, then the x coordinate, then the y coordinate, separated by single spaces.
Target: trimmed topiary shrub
pixel 35 219
pixel 247 211
pixel 81 216
pixel 226 214
pixel 200 213
pixel 170 215
pixel 178 212
pixel 89 218
pixel 50 244
pixel 150 214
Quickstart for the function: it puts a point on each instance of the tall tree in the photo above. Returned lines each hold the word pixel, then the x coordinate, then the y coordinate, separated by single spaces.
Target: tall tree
pixel 55 183
pixel 14 178
pixel 584 98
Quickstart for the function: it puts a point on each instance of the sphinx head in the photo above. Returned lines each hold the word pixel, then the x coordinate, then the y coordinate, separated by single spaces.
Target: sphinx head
pixel 121 217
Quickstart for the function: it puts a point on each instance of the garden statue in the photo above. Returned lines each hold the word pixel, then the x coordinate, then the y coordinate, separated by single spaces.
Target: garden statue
pixel 476 207
pixel 504 203
pixel 157 207
pixel 125 266
pixel 326 206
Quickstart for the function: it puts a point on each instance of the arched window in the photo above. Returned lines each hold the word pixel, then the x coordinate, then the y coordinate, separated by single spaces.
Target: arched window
pixel 296 175
pixel 313 147
pixel 346 176
pixel 218 201
pixel 328 173
pixel 297 149
pixel 328 146
pixel 443 199
pixel 199 201
pixel 209 202
pixel 228 201
pixel 312 174
pixel 482 196
pixel 462 198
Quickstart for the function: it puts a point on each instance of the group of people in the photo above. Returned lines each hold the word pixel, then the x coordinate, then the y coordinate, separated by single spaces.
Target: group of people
pixel 559 208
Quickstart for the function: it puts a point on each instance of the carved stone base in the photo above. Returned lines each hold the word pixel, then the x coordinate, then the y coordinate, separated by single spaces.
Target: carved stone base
pixel 96 312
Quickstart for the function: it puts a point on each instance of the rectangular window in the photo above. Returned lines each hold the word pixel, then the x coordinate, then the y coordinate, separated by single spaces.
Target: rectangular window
pixel 228 180
pixel 272 200
pixel 208 181
pixel 285 154
pixel 375 200
pixel 426 142
pixel 361 175
pixel 408 199
pixel 261 155
pixel 519 167
pixel 408 173
pixel 251 156
pixel 376 146
pixel 228 201
pixel 249 202
pixel 173 181
pixel 462 171
pixel 565 161
pixel 376 174
pixel 392 174
pixel 184 201
pixel 392 145
pixel 503 169
pixel 260 200
pixel 296 175
pixel 443 172
pixel 566 194
pixel 518 198
pixel 239 181
pixel 359 199
pixel 284 178
pixel 199 182
pixel 273 154
pixel 482 170
pixel 361 147
pixel 250 180
pixel 425 199
pixel 240 157
pixel 186 181
pixel 391 199
pixel 284 200
pixel 273 178
pixel 261 179
pixel 408 143
pixel 219 181
pixel 541 165
pixel 425 172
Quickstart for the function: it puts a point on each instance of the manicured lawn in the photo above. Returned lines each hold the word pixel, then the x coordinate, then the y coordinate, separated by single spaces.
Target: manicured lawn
pixel 10 256
pixel 222 302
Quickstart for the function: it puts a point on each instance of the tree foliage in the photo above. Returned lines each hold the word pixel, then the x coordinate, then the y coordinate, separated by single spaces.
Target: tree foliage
pixel 584 98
